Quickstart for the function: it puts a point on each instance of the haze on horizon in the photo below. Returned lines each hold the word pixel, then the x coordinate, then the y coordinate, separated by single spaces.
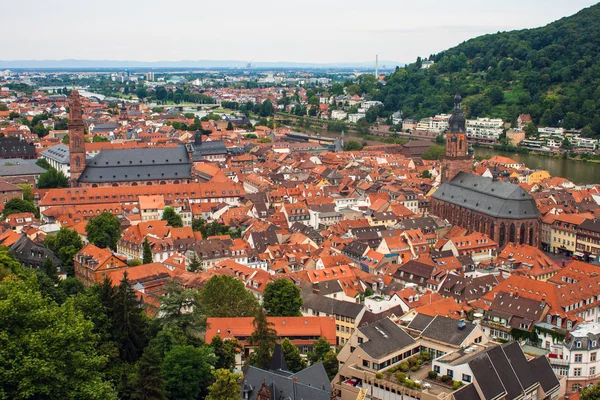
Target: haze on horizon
pixel 261 30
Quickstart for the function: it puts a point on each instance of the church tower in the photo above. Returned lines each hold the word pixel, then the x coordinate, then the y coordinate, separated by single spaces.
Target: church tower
pixel 76 137
pixel 459 157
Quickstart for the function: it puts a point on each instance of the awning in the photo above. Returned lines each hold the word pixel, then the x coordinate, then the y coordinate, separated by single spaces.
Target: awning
pixel 578 254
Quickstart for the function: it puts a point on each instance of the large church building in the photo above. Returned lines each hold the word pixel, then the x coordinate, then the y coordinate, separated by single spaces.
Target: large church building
pixel 502 210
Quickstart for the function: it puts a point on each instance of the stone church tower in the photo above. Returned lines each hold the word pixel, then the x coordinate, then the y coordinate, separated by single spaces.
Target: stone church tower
pixel 458 158
pixel 76 137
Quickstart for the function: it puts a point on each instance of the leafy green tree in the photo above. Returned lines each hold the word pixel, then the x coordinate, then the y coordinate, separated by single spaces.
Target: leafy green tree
pixel 322 352
pixel 225 351
pixel 530 130
pixel 100 139
pixel 263 338
pixel 52 179
pixel 42 163
pixel 148 382
pixel 434 153
pixel 194 264
pixel 50 270
pixel 566 144
pixel 65 244
pixel 282 299
pixel 180 308
pixel 65 139
pixel 146 252
pixel 229 126
pixel 16 206
pixel 293 359
pixel 226 385
pixel 27 192
pixel 591 393
pixel 104 230
pixel 352 145
pixel 426 174
pixel 8 263
pixel 13 115
pixel 46 350
pixel 3 107
pixel 187 372
pixel 129 323
pixel 266 108
pixel 226 297
pixel 172 217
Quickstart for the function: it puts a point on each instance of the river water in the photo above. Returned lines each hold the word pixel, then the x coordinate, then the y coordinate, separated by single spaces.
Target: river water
pixel 576 171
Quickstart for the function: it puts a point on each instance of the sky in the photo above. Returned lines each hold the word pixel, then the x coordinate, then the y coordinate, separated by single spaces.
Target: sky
pixel 316 31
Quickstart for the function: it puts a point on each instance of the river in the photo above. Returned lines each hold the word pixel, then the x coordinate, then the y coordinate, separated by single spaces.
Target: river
pixel 576 171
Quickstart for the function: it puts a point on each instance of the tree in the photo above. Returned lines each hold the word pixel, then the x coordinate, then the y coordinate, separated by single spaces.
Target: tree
pixel 530 130
pixel 50 270
pixel 187 372
pixel 128 321
pixel 282 299
pixel 3 107
pixel 426 174
pixel 566 144
pixel 42 163
pixel 194 264
pixel 434 153
pixel 226 297
pixel 46 350
pixel 13 115
pixel 16 206
pixel 100 139
pixel 104 230
pixel 27 192
pixel 180 308
pixel 225 351
pixel 322 352
pixel 148 382
pixel 52 179
pixel 293 360
pixel 146 252
pixel 263 338
pixel 229 126
pixel 266 108
pixel 352 145
pixel 226 385
pixel 172 217
pixel 591 393
pixel 65 244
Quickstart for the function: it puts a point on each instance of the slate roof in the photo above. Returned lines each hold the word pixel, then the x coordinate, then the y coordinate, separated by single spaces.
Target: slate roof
pixel 214 147
pixel 385 337
pixel 59 153
pixel 330 306
pixel 311 383
pixel 420 322
pixel 447 330
pixel 494 198
pixel 138 164
pixel 13 147
pixel 21 169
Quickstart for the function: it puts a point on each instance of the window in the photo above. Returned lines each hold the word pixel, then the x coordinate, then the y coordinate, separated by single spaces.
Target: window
pixel 576 387
pixel 360 340
pixel 466 378
pixel 593 356
pixel 450 373
pixel 592 371
pixel 578 357
pixel 436 368
pixel 578 345
pixel 576 371
pixel 366 364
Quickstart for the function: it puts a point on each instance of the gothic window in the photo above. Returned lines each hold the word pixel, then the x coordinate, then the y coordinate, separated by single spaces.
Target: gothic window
pixel 502 234
pixel 522 234
pixel 512 233
pixel 530 235
pixel 77 162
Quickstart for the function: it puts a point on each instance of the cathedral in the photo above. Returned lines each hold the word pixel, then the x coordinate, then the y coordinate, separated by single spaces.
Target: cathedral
pixel 502 210
pixel 129 167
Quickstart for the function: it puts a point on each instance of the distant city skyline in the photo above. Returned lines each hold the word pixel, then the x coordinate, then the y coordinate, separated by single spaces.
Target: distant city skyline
pixel 260 31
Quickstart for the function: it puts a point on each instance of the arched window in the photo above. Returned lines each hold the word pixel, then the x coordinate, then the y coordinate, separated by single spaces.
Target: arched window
pixel 522 234
pixel 77 162
pixel 501 242
pixel 512 233
pixel 530 235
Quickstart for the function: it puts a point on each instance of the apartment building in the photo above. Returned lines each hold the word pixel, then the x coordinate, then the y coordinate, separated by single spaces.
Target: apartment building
pixel 485 128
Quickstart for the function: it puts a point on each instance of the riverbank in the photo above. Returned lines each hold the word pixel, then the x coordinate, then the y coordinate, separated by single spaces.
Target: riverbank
pixel 585 157
pixel 576 171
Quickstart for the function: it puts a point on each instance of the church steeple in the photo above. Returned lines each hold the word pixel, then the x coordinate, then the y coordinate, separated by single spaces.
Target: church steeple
pixel 458 157
pixel 76 137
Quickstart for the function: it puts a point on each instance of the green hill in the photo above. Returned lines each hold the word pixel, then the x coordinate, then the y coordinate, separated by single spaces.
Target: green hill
pixel 552 73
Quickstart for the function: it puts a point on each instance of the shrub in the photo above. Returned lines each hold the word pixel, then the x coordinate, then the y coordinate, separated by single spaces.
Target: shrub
pixel 379 375
pixel 414 368
pixel 446 378
pixel 432 374
pixel 425 355
pixel 404 367
pixel 456 384
pixel 412 361
pixel 409 384
pixel 400 377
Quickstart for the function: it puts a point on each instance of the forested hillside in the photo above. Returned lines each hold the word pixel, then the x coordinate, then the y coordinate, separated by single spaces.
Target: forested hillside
pixel 552 73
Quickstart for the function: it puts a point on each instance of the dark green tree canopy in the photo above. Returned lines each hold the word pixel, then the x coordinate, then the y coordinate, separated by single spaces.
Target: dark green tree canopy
pixel 171 216
pixel 282 299
pixel 225 296
pixel 104 230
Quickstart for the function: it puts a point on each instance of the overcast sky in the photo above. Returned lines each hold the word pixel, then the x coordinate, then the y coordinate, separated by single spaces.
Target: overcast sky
pixel 259 30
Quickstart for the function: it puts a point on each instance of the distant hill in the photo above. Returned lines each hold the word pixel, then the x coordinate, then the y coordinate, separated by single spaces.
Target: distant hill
pixel 552 73
pixel 107 64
